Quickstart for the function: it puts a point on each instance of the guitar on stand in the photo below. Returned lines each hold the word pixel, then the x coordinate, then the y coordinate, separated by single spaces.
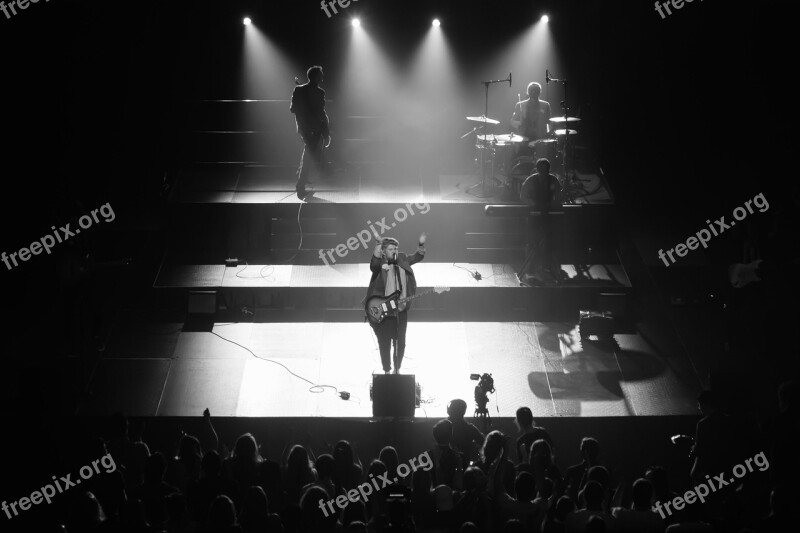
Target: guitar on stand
pixel 377 308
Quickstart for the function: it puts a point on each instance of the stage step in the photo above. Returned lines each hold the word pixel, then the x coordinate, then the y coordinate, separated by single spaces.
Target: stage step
pixel 341 288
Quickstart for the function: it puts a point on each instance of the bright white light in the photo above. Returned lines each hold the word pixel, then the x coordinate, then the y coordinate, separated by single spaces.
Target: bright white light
pixel 356 23
pixel 246 21
pixel 545 19
pixel 436 23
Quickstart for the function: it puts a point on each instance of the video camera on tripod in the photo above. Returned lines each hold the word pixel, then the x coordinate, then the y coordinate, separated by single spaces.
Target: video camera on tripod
pixel 482 389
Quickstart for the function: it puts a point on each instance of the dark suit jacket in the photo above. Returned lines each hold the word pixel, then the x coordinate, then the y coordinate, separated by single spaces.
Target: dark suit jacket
pixel 377 284
pixel 308 106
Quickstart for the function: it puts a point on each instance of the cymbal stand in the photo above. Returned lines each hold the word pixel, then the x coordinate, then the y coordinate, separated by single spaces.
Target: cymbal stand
pixel 483 131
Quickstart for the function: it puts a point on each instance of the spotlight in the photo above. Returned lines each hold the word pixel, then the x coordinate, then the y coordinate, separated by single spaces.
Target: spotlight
pixel 436 23
pixel 246 21
pixel 545 19
pixel 356 23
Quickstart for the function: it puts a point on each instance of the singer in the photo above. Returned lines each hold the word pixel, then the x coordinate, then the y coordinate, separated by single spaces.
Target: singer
pixel 308 106
pixel 531 116
pixel 392 273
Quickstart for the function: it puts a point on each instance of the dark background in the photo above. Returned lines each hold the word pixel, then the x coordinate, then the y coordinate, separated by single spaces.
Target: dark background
pixel 91 90
pixel 694 114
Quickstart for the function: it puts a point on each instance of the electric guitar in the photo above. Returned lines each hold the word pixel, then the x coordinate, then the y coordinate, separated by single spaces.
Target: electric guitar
pixel 379 307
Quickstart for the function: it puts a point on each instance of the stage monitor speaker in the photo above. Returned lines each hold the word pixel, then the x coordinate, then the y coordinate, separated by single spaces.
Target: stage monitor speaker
pixel 393 395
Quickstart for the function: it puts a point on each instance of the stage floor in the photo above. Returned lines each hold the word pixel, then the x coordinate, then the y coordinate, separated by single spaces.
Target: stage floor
pixel 276 185
pixel 158 369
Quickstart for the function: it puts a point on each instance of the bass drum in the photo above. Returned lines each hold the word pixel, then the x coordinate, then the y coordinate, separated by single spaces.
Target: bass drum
pixel 545 148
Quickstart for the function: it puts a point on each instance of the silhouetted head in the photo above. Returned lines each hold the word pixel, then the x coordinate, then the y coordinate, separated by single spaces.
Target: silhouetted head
pixel 494 443
pixel 189 448
pixel 324 466
pixel 543 166
pixel 246 449
pixel 564 506
pixel 595 524
pixel 524 418
pixel 642 494
pixel 343 458
pixel 298 460
pixel 600 474
pixel 315 74
pixel 534 90
pixel 592 495
pixel 222 513
pixel 376 468
pixel 255 509
pixel 657 475
pixel 85 513
pixel 590 449
pixel 540 451
pixel 389 457
pixel 456 409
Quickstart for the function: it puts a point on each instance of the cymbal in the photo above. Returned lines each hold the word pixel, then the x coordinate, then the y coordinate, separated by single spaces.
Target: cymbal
pixel 484 119
pixel 511 138
pixel 561 120
pixel 564 132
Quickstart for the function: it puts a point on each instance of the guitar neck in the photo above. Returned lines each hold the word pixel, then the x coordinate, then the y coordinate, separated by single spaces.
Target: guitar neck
pixel 408 299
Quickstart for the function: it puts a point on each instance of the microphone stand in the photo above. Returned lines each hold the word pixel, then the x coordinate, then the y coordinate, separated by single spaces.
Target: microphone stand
pixel 399 284
pixel 564 152
pixel 494 141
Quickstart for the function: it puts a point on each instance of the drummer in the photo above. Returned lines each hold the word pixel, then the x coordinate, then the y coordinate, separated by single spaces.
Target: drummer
pixel 531 117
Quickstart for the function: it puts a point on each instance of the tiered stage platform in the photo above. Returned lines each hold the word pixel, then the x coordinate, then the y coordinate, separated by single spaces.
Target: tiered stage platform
pixel 290 317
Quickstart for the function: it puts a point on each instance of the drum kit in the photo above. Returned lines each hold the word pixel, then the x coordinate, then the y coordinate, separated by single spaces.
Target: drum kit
pixel 493 150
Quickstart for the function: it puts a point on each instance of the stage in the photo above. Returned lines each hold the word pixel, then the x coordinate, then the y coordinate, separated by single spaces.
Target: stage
pixel 156 368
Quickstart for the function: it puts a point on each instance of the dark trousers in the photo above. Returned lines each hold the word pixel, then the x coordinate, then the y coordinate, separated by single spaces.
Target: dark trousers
pixel 311 163
pixel 392 327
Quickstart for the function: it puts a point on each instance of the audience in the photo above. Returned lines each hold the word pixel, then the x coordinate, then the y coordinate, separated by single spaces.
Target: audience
pixel 530 433
pixel 640 517
pixel 575 478
pixel 591 498
pixel 467 438
pixel 542 466
pixel 447 462
pixel 346 471
pixel 203 490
